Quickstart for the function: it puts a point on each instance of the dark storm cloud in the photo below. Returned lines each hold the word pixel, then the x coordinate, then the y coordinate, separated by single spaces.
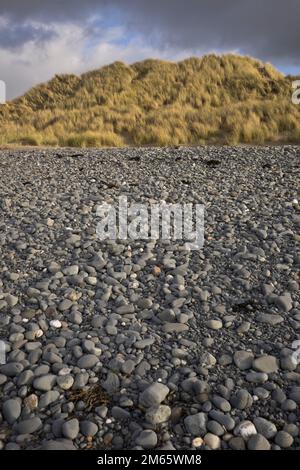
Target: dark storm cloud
pixel 12 35
pixel 268 29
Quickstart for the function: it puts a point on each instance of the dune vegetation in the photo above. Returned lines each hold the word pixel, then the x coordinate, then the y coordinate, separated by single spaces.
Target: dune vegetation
pixel 226 99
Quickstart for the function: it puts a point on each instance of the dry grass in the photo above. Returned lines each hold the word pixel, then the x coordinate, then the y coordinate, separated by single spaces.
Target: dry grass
pixel 215 99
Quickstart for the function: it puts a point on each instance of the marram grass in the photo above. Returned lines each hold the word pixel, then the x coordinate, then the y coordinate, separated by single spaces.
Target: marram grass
pixel 226 99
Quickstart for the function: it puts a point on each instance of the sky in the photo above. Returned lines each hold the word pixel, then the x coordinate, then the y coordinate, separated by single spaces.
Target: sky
pixel 40 38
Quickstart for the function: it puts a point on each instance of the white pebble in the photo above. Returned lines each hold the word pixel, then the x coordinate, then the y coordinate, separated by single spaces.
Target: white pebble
pixel 197 442
pixel 55 323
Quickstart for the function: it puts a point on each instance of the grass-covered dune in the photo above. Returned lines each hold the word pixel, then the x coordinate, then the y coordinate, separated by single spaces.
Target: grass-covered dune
pixel 215 99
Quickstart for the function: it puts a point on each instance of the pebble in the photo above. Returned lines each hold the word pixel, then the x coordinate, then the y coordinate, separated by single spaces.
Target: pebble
pixel 214 324
pixel 70 429
pixel 241 400
pixel 55 324
pixel 284 440
pixel 147 439
pixel 11 369
pixel 143 344
pixel 212 441
pixel 65 382
pixel 44 383
pixel 245 429
pixel 88 361
pixel 174 327
pixel 88 428
pixel 243 359
pixel 154 395
pixel 265 427
pixel 11 410
pixel 258 442
pixel 196 424
pixel 197 442
pixel 158 414
pixel 265 364
pixel 29 426
pixel 284 302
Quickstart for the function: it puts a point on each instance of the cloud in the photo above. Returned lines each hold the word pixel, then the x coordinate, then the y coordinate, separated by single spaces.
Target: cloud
pixel 69 51
pixel 38 39
pixel 13 35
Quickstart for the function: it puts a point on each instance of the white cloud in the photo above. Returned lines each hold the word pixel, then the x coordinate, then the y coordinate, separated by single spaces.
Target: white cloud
pixel 70 51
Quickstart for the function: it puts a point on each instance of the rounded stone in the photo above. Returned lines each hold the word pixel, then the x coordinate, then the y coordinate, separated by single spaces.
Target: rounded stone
pixel 65 382
pixel 154 395
pixel 44 383
pixel 88 361
pixel 266 364
pixel 88 428
pixel 212 441
pixel 147 439
pixel 258 442
pixel 265 427
pixel 243 359
pixel 284 440
pixel 11 410
pixel 29 426
pixel 70 429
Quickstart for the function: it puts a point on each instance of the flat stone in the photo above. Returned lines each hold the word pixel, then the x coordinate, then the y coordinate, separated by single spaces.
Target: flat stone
pixel 266 364
pixel 29 426
pixel 88 361
pixel 125 309
pixel 44 383
pixel 60 444
pixel 243 359
pixel 269 318
pixel 256 377
pixel 48 398
pixel 143 343
pixel 214 324
pixel 174 327
pixel 11 369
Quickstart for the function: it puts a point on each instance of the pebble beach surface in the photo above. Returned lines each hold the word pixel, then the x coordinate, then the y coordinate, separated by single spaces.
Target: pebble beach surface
pixel 142 344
